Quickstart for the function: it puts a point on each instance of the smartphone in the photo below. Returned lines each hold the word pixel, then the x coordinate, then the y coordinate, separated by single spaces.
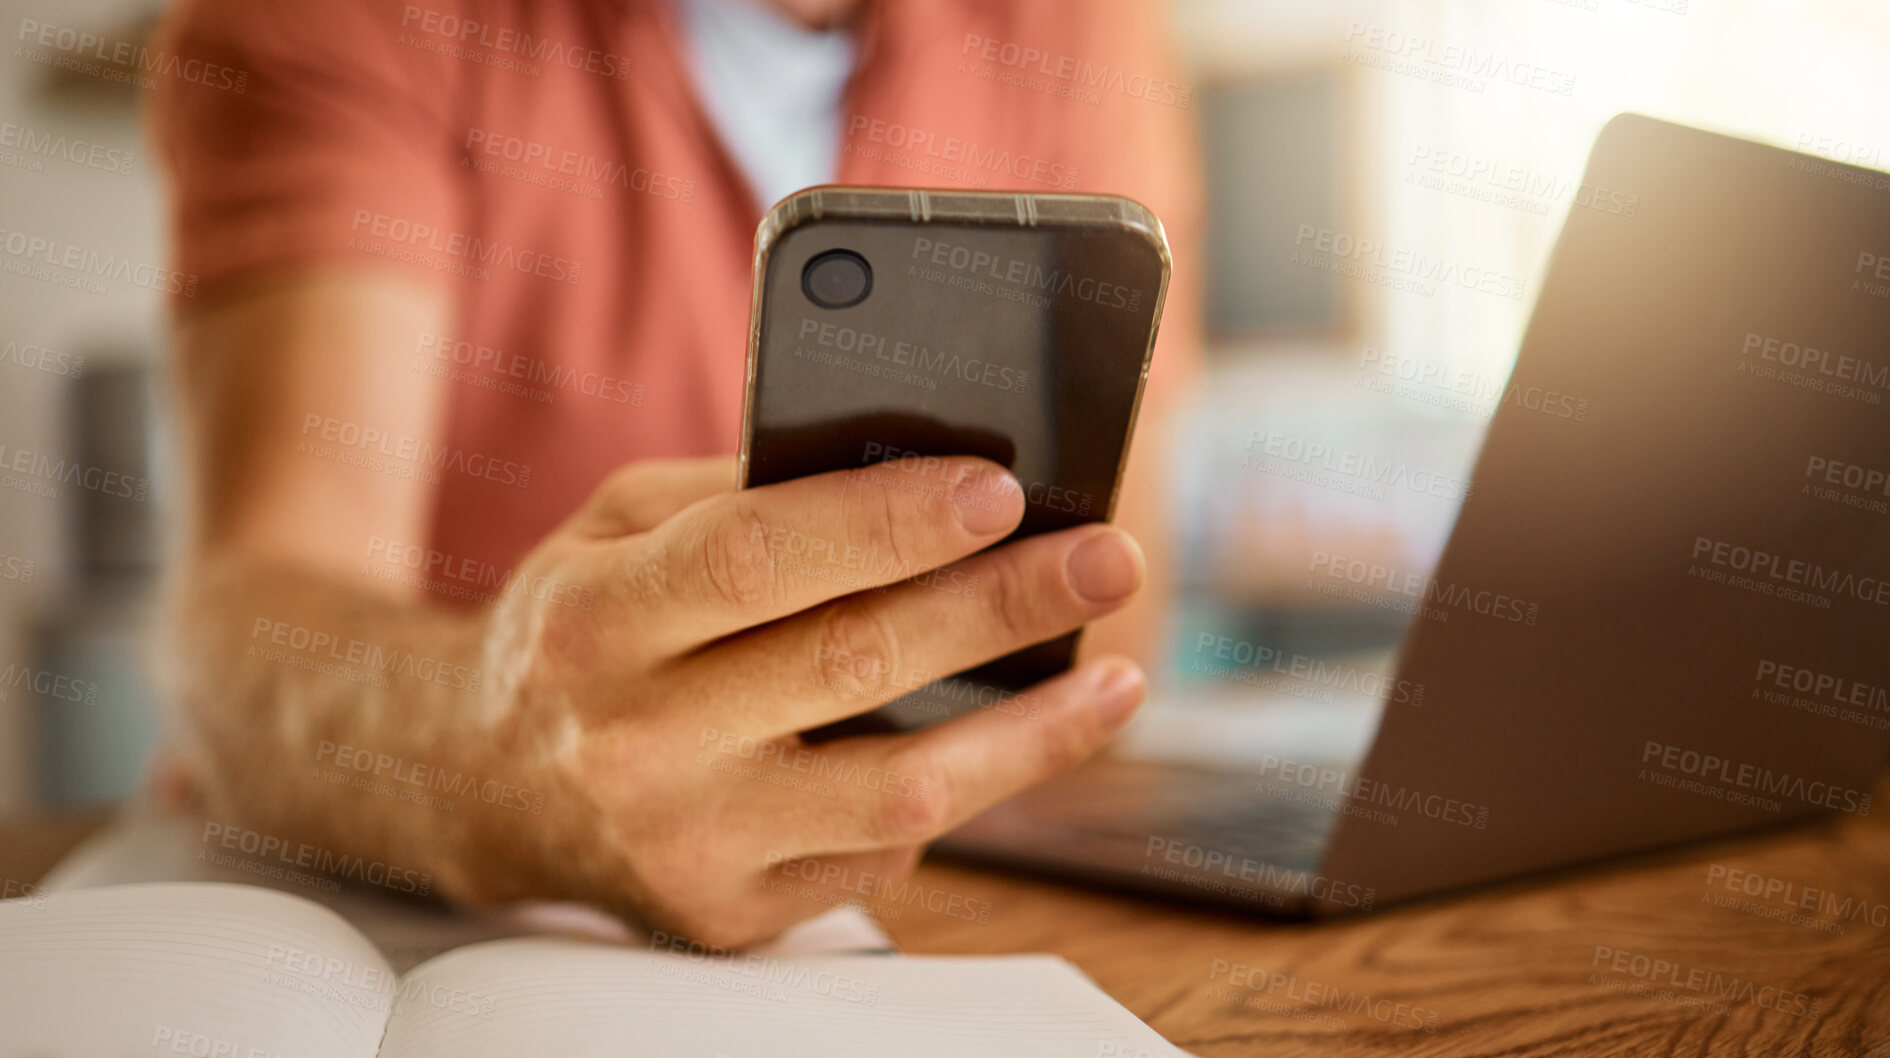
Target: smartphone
pixel 888 323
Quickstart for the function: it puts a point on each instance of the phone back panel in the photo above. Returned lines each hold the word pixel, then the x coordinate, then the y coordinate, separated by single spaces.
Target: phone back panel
pixel 1014 327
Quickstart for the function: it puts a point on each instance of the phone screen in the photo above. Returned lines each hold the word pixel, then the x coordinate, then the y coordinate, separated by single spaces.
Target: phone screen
pixel 878 340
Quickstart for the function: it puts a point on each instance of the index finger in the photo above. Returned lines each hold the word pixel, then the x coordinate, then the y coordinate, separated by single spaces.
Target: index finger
pixel 735 561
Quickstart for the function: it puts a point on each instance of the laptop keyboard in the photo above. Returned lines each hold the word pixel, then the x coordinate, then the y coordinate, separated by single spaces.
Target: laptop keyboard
pixel 1122 815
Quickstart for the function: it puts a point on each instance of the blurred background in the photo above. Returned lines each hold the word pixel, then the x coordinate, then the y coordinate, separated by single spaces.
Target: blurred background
pixel 1449 136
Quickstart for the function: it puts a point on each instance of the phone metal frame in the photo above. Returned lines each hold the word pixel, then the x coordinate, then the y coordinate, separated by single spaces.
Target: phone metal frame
pixel 991 208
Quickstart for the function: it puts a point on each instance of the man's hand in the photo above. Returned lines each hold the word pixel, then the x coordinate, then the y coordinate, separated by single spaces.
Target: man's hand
pixel 657 722
pixel 664 717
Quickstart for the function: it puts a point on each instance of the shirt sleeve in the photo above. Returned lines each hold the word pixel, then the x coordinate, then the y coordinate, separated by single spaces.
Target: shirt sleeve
pixel 330 141
pixel 1145 112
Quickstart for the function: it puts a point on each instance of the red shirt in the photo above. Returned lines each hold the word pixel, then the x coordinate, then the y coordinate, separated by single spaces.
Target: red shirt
pixel 548 161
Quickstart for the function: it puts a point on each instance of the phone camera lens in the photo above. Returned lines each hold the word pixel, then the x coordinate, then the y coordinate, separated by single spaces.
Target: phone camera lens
pixel 837 279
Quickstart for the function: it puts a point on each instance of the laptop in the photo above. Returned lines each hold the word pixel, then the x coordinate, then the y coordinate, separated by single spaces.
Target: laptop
pixel 1662 614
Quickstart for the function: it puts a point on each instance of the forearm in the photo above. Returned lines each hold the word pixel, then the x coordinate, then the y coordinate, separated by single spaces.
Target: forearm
pixel 329 714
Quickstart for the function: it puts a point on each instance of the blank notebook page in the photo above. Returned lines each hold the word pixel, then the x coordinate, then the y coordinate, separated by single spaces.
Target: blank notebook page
pixel 137 969
pixel 577 1000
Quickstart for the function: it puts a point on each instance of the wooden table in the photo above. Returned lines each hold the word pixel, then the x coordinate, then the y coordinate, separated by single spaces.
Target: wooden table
pixel 1527 969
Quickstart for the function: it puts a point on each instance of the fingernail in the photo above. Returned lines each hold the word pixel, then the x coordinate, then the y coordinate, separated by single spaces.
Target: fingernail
pixel 1119 689
pixel 1106 567
pixel 987 502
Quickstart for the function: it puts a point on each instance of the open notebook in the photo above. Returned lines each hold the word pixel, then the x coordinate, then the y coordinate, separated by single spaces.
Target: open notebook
pixel 145 846
pixel 240 971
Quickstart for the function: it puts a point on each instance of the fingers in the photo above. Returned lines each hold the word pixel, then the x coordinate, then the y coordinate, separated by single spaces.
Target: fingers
pixel 640 496
pixel 893 791
pixel 781 892
pixel 859 828
pixel 866 650
pixel 794 886
pixel 737 561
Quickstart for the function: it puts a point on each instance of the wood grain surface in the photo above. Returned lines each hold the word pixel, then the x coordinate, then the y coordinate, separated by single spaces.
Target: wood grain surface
pixel 1523 970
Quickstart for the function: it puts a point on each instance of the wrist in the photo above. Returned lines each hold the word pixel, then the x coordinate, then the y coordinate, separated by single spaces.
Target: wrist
pixel 529 828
